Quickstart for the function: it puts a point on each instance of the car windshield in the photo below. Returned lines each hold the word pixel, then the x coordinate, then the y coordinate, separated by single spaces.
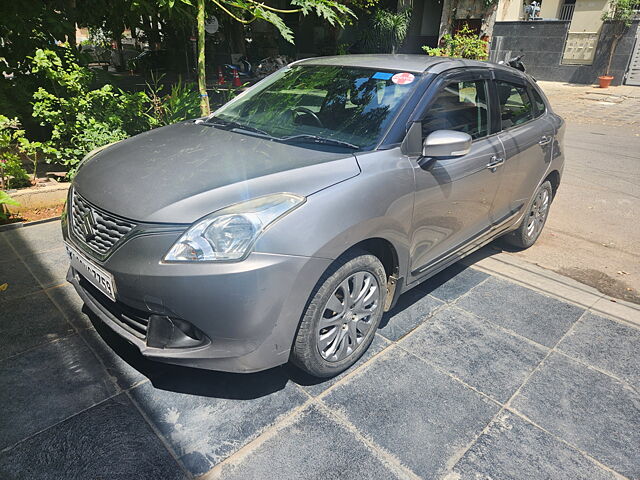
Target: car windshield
pixel 323 106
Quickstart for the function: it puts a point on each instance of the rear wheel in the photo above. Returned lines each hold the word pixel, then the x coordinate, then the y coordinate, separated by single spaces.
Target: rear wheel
pixel 342 316
pixel 535 219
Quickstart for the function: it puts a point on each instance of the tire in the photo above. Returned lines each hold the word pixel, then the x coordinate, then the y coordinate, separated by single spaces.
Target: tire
pixel 337 328
pixel 534 220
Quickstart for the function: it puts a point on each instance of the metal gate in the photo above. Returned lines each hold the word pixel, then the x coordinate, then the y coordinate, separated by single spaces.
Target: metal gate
pixel 633 72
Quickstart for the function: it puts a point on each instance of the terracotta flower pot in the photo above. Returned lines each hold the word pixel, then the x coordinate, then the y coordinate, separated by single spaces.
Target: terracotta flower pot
pixel 605 81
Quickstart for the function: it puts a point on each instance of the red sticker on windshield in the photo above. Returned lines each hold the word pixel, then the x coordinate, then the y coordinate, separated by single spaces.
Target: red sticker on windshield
pixel 403 78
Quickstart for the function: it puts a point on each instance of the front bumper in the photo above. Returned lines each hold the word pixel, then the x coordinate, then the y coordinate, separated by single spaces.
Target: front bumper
pixel 248 311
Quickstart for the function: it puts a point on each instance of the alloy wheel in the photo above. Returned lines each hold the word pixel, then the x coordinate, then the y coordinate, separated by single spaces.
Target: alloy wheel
pixel 538 213
pixel 347 316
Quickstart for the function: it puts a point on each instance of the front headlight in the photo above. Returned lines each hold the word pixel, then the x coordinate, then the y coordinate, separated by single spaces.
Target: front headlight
pixel 229 234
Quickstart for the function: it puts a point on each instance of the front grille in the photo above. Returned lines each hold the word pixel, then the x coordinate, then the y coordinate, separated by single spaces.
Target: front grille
pixel 133 321
pixel 95 228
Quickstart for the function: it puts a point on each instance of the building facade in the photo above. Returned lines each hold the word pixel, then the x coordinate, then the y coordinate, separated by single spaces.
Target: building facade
pixel 568 41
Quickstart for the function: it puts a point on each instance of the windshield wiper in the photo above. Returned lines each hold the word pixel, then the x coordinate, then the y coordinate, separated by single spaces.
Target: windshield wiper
pixel 318 139
pixel 231 125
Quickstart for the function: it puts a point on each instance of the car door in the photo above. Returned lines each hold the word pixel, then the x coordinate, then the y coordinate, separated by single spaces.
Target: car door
pixel 527 139
pixel 454 195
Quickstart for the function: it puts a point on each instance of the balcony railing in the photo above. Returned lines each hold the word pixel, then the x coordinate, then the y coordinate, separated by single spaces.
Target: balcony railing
pixel 566 12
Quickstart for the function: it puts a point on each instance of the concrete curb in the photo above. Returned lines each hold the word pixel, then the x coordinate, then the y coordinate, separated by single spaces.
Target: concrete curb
pixel 39 197
pixel 553 284
pixel 13 226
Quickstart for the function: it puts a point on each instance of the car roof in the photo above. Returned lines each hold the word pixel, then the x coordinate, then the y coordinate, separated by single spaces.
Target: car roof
pixel 413 63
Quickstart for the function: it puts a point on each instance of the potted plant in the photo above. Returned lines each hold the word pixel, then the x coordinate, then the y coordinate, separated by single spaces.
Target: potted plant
pixel 619 15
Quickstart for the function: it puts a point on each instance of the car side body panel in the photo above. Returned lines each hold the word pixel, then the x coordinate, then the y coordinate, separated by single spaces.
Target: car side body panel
pixel 378 203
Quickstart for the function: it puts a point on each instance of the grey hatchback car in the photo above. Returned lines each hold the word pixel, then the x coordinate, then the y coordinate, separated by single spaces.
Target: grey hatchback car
pixel 281 227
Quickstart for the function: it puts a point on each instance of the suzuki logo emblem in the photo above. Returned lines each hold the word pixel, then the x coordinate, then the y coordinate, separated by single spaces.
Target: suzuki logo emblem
pixel 88 226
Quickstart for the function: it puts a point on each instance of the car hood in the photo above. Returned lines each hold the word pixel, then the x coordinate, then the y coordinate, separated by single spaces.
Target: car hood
pixel 179 173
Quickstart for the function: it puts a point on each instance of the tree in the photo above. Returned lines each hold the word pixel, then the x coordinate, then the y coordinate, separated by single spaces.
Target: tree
pixel 202 78
pixel 619 14
pixel 248 11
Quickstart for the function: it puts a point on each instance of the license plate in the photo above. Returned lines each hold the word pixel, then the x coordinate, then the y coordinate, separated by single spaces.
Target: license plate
pixel 98 277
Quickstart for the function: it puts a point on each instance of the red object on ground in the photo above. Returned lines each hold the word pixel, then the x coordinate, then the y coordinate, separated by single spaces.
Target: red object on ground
pixel 220 76
pixel 236 78
pixel 605 81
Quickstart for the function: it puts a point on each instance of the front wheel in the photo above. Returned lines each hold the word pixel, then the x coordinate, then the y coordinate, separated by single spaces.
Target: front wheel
pixel 533 222
pixel 342 316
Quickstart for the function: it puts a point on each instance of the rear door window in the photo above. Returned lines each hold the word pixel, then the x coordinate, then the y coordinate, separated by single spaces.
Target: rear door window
pixel 539 102
pixel 516 107
pixel 460 106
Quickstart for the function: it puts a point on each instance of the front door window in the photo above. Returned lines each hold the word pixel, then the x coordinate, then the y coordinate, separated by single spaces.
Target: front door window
pixel 460 106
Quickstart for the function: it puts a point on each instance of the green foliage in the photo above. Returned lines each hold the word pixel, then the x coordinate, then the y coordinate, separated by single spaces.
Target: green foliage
pixel 5 199
pixel 12 173
pixel 392 27
pixel 465 44
pixel 30 24
pixel 81 118
pixel 248 11
pixel 181 103
pixel 620 11
pixel 387 31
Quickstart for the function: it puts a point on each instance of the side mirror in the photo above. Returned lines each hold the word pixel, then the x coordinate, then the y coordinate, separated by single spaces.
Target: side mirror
pixel 446 143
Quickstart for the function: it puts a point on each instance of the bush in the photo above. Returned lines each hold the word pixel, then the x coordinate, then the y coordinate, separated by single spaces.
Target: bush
pixel 465 44
pixel 5 199
pixel 12 173
pixel 387 31
pixel 81 119
pixel 181 103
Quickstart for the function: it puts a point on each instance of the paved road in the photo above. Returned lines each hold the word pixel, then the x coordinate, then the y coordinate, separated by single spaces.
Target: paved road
pixel 471 376
pixel 593 231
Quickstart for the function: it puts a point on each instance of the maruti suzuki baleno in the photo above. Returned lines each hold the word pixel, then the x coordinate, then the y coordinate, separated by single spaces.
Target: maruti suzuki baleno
pixel 281 227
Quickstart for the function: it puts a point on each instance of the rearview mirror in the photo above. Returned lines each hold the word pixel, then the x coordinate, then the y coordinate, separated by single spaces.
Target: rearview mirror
pixel 446 143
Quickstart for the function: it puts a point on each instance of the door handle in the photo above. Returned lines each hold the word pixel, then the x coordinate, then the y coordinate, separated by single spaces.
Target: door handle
pixel 545 140
pixel 494 163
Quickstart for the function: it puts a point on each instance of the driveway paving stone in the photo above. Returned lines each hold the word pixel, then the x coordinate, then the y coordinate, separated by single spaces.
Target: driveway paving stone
pixel 207 416
pixel 314 386
pixel 606 344
pixel 530 314
pixel 588 409
pixel 413 308
pixel 19 280
pixel 122 361
pixel 418 414
pixel 108 441
pixel 28 322
pixel 35 239
pixel 46 385
pixel 483 356
pixel 6 252
pixel 514 449
pixel 323 449
pixel 452 283
pixel 50 268
pixel 70 303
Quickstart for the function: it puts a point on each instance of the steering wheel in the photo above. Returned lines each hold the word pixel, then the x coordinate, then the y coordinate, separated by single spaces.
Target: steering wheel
pixel 315 117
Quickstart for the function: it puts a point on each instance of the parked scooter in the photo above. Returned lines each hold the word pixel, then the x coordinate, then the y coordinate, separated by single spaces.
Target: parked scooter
pixel 270 64
pixel 515 62
pixel 244 69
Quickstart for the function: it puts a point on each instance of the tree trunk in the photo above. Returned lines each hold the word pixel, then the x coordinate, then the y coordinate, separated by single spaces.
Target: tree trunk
pixel 202 78
pixel 118 37
pixel 614 44
pixel 70 6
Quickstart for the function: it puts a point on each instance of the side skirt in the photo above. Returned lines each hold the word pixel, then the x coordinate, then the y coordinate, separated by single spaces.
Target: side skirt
pixel 483 238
